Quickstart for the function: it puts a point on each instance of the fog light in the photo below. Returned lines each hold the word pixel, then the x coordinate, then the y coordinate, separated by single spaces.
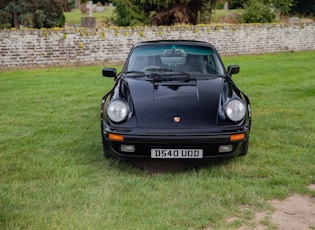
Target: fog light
pixel 225 148
pixel 127 148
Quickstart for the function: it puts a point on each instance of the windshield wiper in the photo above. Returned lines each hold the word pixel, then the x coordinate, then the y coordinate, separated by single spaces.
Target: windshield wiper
pixel 134 72
pixel 179 74
pixel 157 69
pixel 142 74
pixel 167 78
pixel 166 74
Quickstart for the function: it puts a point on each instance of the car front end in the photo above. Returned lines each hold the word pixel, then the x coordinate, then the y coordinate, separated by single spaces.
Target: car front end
pixel 173 109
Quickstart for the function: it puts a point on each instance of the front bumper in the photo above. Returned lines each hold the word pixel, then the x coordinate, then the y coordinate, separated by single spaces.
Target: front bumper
pixel 142 140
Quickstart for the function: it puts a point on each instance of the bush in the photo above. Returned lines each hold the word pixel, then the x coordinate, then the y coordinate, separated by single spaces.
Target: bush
pixel 68 5
pixel 256 12
pixel 129 14
pixel 5 19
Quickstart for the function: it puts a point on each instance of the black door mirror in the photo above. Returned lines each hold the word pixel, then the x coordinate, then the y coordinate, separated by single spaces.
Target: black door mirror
pixel 233 69
pixel 109 72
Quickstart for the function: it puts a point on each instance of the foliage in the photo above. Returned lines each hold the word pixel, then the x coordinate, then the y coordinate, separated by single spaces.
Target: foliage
pixel 257 12
pixel 68 5
pixel 129 14
pixel 236 4
pixel 5 19
pixel 100 1
pixel 282 7
pixel 304 7
pixel 34 13
pixel 279 6
pixel 53 174
pixel 166 12
pixel 94 1
pixel 170 12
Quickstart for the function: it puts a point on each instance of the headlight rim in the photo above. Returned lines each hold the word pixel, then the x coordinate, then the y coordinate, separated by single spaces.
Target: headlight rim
pixel 110 114
pixel 235 118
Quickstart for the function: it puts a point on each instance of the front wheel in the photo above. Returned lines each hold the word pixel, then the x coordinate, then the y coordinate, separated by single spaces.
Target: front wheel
pixel 106 154
pixel 245 149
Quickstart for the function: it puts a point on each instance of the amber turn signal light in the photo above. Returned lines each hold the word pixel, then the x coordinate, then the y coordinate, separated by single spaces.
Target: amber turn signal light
pixel 237 137
pixel 115 137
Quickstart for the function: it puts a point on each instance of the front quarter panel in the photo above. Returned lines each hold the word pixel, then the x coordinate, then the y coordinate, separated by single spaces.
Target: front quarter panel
pixel 120 91
pixel 228 92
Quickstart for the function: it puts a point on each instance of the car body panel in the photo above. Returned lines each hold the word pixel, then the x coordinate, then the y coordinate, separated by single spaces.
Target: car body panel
pixel 149 102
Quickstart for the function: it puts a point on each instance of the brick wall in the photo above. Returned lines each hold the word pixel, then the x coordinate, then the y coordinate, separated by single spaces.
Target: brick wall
pixel 61 47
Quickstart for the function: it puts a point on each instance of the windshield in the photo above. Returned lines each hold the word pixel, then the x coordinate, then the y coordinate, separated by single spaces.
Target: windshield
pixel 190 59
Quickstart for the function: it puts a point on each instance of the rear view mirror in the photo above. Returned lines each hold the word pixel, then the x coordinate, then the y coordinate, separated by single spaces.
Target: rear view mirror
pixel 233 69
pixel 109 72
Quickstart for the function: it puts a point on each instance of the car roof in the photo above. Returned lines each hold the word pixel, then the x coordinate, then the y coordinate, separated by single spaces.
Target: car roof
pixel 166 42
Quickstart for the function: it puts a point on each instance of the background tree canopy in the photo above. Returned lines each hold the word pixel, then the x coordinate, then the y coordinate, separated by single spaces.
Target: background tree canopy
pixel 162 12
pixel 50 13
pixel 304 7
pixel 170 12
pixel 34 13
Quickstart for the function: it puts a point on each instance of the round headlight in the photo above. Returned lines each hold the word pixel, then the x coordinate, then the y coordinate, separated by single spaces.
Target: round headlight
pixel 235 110
pixel 117 111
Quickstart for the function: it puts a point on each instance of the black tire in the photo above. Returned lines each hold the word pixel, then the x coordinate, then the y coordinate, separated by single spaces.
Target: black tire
pixel 245 149
pixel 106 154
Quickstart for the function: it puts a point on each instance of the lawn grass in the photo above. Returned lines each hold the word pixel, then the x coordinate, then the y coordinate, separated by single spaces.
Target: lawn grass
pixel 103 18
pixel 53 174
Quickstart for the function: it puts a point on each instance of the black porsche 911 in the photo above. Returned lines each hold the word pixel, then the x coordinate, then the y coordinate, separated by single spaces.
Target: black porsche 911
pixel 174 100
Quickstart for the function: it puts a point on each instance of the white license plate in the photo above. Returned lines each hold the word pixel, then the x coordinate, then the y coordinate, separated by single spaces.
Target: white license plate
pixel 176 153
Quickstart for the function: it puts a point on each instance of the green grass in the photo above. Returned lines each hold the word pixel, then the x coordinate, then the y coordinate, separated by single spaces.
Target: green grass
pixel 53 174
pixel 227 16
pixel 103 18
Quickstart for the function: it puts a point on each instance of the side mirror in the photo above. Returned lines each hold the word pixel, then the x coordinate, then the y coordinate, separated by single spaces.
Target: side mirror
pixel 109 72
pixel 233 69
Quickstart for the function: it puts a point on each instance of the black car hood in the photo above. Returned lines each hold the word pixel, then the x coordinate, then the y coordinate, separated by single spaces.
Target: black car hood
pixel 175 102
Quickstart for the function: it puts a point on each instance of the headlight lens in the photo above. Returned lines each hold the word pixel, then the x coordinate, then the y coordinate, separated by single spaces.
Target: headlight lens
pixel 117 111
pixel 235 110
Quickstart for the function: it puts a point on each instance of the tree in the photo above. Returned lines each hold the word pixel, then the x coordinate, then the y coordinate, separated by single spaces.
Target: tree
pixel 235 4
pixel 129 14
pixel 304 7
pixel 262 11
pixel 161 12
pixel 68 5
pixel 9 12
pixel 282 7
pixel 257 12
pixel 176 12
pixel 34 13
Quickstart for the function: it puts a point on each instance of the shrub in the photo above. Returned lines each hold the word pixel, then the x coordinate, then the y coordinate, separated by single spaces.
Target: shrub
pixel 256 12
pixel 129 14
pixel 68 5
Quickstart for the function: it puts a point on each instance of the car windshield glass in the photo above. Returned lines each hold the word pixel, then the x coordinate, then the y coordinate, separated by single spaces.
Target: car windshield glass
pixel 189 59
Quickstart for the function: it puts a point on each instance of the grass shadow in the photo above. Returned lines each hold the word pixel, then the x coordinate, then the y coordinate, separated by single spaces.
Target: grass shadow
pixel 155 166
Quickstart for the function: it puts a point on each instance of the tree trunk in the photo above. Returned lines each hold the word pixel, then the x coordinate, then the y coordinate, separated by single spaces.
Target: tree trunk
pixel 212 7
pixel 15 16
pixel 77 4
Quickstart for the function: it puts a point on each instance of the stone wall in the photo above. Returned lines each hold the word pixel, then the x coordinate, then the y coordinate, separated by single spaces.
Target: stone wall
pixel 62 47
